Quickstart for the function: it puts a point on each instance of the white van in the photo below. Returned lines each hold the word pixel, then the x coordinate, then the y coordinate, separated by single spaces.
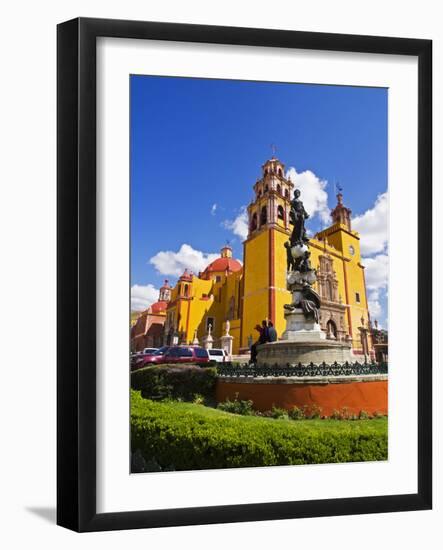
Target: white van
pixel 218 355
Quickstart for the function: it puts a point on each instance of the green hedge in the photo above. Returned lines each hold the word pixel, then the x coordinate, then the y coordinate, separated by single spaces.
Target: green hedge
pixel 175 382
pixel 184 436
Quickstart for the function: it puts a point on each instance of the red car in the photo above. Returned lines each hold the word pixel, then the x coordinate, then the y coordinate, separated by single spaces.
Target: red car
pixel 186 354
pixel 150 358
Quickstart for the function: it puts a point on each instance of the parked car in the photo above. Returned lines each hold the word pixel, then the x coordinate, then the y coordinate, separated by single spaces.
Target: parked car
pixel 149 351
pixel 135 358
pixel 217 355
pixel 186 354
pixel 153 358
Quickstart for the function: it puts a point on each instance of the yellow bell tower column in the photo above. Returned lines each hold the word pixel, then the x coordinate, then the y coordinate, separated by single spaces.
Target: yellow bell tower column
pixel 264 283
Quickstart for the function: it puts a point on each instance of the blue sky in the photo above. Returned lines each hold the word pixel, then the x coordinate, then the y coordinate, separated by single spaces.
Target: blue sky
pixel 196 143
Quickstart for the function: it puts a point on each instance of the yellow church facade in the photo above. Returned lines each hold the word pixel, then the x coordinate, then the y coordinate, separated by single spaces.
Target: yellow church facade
pixel 247 293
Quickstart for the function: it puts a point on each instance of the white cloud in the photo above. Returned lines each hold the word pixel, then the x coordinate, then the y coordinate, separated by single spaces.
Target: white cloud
pixel 313 193
pixel 376 275
pixel 375 309
pixel 172 263
pixel 213 209
pixel 373 227
pixel 239 226
pixel 377 271
pixel 142 296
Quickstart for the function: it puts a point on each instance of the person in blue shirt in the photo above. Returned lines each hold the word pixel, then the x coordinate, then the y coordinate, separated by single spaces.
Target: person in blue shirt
pixel 272 333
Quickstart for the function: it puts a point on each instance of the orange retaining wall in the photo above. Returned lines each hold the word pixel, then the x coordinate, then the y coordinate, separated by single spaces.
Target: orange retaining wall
pixel 370 396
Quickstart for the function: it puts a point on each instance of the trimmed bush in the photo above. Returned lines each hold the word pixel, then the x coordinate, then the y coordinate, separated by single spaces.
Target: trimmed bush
pixel 184 436
pixel 175 382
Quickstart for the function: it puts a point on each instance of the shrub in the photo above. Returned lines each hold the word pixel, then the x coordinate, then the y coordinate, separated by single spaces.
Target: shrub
pixel 297 413
pixel 314 411
pixel 277 412
pixel 198 399
pixel 343 414
pixel 175 382
pixel 183 436
pixel 363 415
pixel 237 406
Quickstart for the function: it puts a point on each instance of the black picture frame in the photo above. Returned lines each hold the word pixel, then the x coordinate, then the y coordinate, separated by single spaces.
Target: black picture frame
pixel 76 264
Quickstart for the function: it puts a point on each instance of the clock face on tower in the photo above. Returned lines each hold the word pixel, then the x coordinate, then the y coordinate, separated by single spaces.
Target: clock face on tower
pixel 351 250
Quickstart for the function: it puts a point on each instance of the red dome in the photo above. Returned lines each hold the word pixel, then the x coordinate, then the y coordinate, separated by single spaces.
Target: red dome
pixel 223 264
pixel 158 307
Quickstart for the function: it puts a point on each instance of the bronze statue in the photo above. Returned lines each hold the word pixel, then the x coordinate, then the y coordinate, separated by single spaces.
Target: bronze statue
pixel 290 261
pixel 298 215
pixel 304 297
pixel 304 264
pixel 310 302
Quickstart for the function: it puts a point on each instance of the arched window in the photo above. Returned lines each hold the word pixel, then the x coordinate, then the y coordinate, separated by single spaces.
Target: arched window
pixel 280 173
pixel 287 193
pixel 266 171
pixel 263 216
pixel 266 188
pixel 280 213
pixel 254 222
pixel 331 329
pixel 279 189
pixel 186 291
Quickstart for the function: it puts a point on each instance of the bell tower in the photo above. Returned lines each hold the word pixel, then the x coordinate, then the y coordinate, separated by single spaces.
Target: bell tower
pixel 341 214
pixel 165 292
pixel 271 203
pixel 269 227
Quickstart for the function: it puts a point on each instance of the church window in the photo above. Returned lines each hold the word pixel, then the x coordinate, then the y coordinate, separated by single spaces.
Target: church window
pixel 279 189
pixel 280 172
pixel 254 222
pixel 263 216
pixel 186 291
pixel 331 329
pixel 266 188
pixel 280 213
pixel 287 194
pixel 217 278
pixel 357 297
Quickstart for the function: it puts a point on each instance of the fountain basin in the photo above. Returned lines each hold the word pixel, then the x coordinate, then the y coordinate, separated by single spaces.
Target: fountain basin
pixel 304 350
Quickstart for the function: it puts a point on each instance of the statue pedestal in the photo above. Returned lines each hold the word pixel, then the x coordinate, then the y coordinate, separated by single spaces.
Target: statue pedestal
pixel 300 329
pixel 226 343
